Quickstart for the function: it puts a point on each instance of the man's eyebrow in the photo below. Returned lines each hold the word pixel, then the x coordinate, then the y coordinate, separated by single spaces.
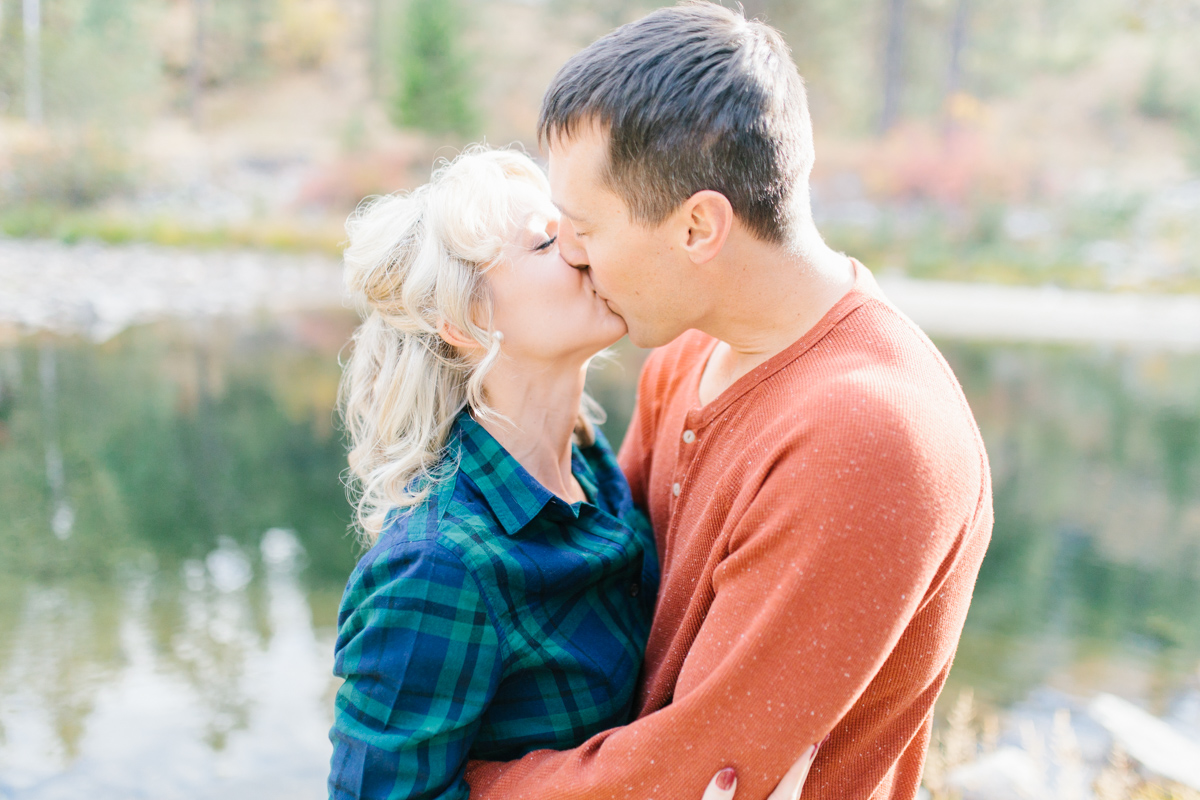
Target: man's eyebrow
pixel 569 214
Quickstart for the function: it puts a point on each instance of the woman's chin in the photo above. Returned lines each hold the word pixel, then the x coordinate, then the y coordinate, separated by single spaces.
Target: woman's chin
pixel 611 336
pixel 619 329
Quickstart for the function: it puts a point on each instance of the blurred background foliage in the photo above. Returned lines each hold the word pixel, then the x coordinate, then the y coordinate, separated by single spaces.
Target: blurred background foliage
pixel 434 84
pixel 1031 141
pixel 1009 141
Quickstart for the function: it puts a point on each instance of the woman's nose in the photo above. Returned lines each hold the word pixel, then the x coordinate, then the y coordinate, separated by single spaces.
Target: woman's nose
pixel 569 246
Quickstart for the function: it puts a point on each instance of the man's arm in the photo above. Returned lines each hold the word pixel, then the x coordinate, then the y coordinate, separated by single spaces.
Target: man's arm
pixel 811 592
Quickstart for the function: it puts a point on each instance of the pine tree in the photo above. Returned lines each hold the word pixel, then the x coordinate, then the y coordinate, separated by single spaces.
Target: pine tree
pixel 434 82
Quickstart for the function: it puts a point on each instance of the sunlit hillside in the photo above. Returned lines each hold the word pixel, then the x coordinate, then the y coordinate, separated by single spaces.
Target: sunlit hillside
pixel 1021 141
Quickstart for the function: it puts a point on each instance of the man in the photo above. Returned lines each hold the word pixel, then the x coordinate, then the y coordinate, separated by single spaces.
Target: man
pixel 818 487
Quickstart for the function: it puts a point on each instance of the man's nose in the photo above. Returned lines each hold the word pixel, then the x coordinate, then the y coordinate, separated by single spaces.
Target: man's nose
pixel 569 246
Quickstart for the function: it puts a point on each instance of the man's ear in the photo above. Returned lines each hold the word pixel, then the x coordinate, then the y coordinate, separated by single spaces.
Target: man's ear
pixel 709 217
pixel 454 336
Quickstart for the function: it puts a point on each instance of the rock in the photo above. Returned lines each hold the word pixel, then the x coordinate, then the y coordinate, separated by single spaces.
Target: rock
pixel 1148 740
pixel 99 290
pixel 1185 714
pixel 1007 774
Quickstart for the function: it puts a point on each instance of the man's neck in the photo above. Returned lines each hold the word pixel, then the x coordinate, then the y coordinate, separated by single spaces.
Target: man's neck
pixel 771 296
pixel 539 410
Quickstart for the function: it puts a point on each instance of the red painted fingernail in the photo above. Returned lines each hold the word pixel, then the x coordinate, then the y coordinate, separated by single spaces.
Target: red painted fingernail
pixel 826 739
pixel 726 778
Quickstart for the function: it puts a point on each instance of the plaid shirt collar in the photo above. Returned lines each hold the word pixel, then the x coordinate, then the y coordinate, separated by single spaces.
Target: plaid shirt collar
pixel 513 495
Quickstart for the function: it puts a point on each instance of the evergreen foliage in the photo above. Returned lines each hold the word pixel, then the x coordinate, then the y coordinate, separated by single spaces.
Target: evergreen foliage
pixel 433 72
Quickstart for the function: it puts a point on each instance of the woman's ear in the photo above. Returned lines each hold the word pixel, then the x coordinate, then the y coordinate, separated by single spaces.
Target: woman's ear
pixel 454 336
pixel 709 217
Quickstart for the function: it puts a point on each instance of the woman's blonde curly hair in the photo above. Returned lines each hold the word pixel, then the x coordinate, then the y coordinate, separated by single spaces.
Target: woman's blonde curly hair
pixel 415 261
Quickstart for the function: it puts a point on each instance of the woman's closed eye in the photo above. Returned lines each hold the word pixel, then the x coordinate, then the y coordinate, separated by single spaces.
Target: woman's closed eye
pixel 546 245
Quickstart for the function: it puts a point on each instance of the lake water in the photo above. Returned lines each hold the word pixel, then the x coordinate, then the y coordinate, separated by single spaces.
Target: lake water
pixel 173 546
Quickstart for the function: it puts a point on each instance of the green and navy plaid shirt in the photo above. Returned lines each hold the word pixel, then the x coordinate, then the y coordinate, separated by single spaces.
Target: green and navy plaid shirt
pixel 492 620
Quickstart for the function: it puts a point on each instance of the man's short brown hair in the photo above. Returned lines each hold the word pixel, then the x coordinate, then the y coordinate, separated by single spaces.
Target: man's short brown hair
pixel 693 97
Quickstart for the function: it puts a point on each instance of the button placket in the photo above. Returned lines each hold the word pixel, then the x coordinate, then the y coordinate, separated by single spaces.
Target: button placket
pixel 685 453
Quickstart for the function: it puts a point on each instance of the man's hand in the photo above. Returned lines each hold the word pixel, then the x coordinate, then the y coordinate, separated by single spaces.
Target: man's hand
pixel 724 783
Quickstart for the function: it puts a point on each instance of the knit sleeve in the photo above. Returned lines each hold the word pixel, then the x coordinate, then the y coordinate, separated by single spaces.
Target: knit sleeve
pixel 837 543
pixel 421 661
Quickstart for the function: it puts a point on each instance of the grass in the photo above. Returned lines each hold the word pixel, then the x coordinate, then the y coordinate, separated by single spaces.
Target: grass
pixel 932 245
pixel 930 253
pixel 71 226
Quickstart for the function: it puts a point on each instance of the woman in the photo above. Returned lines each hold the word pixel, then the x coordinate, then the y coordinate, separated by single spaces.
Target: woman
pixel 504 603
pixel 505 600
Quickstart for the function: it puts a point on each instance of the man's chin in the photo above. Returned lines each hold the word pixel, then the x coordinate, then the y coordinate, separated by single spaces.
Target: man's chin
pixel 643 338
pixel 651 336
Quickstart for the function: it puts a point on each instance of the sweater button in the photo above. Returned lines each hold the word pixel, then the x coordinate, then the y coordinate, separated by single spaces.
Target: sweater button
pixel 676 489
pixel 689 436
pixel 634 589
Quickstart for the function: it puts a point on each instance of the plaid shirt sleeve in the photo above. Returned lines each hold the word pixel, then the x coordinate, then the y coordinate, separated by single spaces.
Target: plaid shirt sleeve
pixel 421 660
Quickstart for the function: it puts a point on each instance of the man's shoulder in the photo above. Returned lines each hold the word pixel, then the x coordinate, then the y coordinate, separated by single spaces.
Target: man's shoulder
pixel 873 382
pixel 875 358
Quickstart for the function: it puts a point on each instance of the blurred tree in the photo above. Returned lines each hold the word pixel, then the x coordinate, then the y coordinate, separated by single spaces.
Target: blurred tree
pixel 893 65
pixel 32 22
pixel 958 42
pixel 610 13
pixel 304 32
pixel 755 9
pixel 196 67
pixel 373 26
pixel 8 44
pixel 1191 130
pixel 434 92
pixel 1154 101
pixel 98 66
pixel 257 15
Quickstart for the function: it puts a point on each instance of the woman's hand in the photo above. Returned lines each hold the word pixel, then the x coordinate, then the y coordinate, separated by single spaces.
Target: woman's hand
pixel 724 783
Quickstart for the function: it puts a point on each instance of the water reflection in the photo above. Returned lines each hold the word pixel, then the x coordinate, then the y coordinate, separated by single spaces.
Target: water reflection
pixel 178 641
pixel 1092 580
pixel 228 691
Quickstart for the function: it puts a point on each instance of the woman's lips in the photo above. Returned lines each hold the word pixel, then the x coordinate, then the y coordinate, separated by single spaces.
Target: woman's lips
pixel 595 291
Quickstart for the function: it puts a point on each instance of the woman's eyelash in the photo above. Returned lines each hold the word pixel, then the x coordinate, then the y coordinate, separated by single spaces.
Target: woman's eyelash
pixel 546 244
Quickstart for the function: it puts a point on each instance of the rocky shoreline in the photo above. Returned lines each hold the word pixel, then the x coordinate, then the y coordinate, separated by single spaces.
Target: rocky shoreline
pixel 98 290
pixel 1055 746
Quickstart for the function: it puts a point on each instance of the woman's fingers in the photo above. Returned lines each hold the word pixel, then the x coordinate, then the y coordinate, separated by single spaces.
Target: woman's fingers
pixel 724 783
pixel 793 782
pixel 722 786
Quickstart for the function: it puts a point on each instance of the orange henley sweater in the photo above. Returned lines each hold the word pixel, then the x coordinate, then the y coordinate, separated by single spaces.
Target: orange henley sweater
pixel 820 525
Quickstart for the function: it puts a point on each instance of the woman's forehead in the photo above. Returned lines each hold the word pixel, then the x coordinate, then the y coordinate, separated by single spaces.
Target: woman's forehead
pixel 533 208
